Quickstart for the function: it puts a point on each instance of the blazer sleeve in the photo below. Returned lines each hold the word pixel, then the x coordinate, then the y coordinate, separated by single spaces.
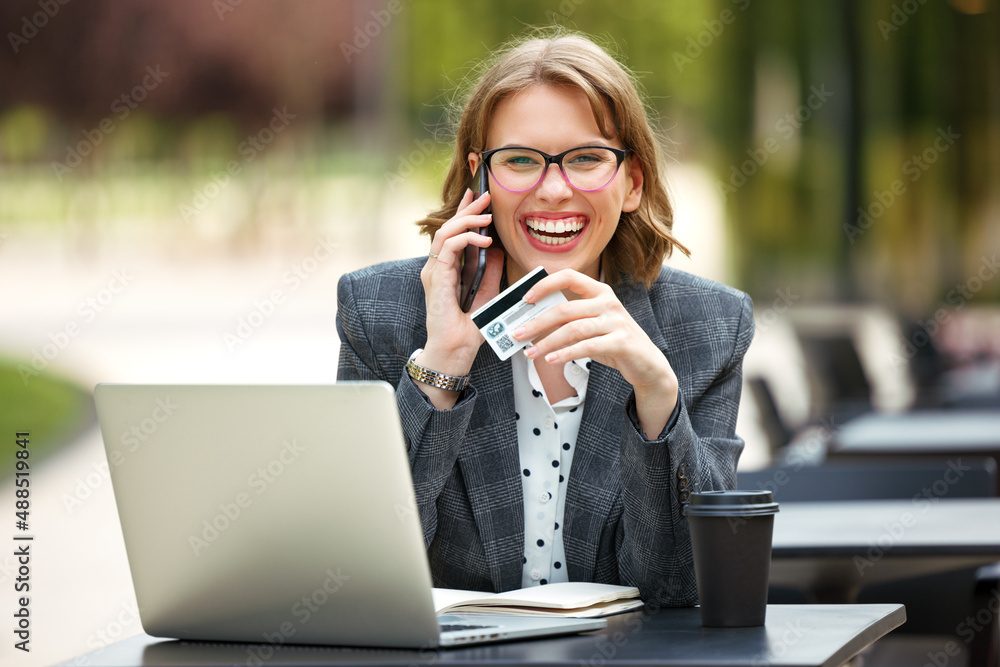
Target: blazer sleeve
pixel 699 451
pixel 374 308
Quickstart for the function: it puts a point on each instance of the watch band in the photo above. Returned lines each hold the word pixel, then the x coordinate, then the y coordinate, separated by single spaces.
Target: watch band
pixel 432 377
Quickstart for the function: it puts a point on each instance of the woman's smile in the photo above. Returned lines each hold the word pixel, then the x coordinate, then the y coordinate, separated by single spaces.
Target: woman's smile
pixel 554 232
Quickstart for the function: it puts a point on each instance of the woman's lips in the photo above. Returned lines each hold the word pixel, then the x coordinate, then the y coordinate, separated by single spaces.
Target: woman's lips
pixel 554 231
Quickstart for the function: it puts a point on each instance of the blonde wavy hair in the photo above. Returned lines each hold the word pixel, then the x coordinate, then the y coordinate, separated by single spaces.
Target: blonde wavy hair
pixel 643 239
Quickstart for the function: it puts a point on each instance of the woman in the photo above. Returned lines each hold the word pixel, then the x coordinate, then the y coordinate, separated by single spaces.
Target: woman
pixel 573 459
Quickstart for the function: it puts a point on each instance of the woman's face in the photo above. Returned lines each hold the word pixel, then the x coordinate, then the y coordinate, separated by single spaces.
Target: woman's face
pixel 554 119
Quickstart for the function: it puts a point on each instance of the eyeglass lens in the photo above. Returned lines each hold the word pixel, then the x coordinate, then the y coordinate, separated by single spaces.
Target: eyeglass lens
pixel 521 169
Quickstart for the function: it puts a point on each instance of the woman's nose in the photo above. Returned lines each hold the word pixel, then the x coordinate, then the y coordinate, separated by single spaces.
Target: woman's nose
pixel 553 186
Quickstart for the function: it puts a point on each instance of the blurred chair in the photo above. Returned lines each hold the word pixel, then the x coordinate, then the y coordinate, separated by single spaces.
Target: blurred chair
pixel 935 604
pixel 837 377
pixel 777 431
pixel 926 365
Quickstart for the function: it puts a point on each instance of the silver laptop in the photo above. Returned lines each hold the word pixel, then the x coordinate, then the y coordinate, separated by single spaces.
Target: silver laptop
pixel 279 514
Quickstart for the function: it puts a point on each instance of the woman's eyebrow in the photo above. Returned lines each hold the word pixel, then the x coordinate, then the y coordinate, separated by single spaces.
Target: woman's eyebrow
pixel 590 142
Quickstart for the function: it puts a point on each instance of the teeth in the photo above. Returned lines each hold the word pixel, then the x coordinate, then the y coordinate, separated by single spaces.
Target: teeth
pixel 573 224
pixel 537 227
pixel 550 240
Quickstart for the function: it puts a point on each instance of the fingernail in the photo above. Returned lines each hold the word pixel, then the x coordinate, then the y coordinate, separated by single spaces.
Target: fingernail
pixel 551 357
pixel 529 295
pixel 518 332
pixel 530 351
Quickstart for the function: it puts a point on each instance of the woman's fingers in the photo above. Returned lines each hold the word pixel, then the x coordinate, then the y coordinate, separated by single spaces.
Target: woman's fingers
pixel 567 280
pixel 595 325
pixel 577 331
pixel 471 205
pixel 468 216
pixel 595 300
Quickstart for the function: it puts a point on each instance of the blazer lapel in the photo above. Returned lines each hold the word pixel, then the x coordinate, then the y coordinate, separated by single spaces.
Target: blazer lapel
pixel 490 467
pixel 594 479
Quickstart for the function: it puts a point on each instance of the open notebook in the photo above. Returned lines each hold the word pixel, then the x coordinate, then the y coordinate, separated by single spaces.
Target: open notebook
pixel 279 514
pixel 570 599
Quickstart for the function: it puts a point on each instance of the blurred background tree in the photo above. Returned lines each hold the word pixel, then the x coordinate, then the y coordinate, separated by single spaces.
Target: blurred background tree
pixel 856 144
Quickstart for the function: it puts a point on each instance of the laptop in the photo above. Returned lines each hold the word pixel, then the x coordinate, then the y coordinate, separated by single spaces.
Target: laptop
pixel 282 515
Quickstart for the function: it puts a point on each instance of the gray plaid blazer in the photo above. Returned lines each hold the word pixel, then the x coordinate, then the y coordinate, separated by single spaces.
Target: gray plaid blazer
pixel 623 521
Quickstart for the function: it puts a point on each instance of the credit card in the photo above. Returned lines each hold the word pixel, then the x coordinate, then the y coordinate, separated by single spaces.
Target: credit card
pixel 508 310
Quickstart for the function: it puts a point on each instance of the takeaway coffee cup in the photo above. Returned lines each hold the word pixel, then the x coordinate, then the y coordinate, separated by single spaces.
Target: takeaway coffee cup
pixel 731 537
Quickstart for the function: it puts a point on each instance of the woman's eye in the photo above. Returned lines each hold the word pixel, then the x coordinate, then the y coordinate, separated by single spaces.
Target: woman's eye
pixel 584 160
pixel 520 161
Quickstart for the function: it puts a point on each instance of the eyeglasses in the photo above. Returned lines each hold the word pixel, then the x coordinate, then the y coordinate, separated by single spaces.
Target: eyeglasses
pixel 586 168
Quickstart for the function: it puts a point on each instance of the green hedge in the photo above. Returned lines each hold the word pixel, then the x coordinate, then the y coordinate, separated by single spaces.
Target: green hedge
pixel 50 408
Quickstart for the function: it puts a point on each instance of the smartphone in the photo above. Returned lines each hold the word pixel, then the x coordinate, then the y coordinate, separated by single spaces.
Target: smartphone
pixel 474 258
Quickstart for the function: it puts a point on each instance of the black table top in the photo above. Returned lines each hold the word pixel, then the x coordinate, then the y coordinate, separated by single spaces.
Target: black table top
pixel 924 432
pixel 794 636
pixel 835 546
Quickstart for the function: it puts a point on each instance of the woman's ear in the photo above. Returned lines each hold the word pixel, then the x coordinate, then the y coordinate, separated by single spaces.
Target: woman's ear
pixel 634 181
pixel 473 162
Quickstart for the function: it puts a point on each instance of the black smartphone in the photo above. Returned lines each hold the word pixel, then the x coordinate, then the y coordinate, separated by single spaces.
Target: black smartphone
pixel 474 258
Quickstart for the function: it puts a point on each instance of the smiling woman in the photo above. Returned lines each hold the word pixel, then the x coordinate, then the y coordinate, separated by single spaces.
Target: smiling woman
pixel 572 459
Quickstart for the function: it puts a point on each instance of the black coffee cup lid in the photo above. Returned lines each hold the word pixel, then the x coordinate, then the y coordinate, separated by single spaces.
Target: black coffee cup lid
pixel 732 503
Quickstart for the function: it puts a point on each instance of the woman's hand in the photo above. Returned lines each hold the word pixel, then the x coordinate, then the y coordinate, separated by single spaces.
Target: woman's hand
pixel 452 338
pixel 596 325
